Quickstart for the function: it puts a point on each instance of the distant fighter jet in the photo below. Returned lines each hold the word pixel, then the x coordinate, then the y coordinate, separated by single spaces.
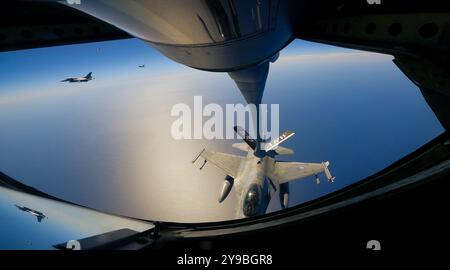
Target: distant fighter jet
pixel 86 78
pixel 142 66
pixel 35 213
pixel 258 175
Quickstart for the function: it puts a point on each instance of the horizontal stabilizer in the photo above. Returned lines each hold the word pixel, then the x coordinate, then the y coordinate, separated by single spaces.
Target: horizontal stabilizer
pixel 241 146
pixel 284 151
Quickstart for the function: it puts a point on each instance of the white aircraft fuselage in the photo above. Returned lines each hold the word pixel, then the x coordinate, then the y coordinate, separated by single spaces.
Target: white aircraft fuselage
pixel 253 181
pixel 258 175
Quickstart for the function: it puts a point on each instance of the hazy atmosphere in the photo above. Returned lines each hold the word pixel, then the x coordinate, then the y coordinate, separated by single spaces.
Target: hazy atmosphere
pixel 107 143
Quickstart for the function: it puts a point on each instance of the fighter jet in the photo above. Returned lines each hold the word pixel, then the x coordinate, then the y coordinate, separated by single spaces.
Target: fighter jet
pixel 141 66
pixel 35 213
pixel 258 175
pixel 241 38
pixel 86 78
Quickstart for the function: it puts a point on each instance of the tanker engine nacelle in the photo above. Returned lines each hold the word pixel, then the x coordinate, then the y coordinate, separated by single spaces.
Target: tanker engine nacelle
pixel 216 35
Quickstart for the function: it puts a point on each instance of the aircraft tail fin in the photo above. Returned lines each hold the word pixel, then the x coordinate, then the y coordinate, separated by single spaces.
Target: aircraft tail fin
pixel 246 137
pixel 89 75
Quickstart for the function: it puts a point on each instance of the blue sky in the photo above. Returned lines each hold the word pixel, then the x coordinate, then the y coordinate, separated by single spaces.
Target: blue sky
pixel 106 144
pixel 111 59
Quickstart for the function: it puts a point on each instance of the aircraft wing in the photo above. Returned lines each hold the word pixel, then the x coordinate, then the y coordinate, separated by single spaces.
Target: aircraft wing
pixel 288 171
pixel 91 228
pixel 227 162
